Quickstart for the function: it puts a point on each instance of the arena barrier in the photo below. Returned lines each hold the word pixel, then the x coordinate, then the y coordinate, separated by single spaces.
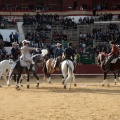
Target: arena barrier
pixel 83 69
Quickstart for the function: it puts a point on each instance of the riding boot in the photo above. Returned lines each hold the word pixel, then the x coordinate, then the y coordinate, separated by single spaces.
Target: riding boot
pixel 31 67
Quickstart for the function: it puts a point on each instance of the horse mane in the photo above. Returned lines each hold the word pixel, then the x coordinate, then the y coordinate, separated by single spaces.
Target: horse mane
pixel 33 56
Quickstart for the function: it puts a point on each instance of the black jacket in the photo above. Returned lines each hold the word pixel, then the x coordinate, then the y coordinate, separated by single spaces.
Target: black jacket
pixel 69 53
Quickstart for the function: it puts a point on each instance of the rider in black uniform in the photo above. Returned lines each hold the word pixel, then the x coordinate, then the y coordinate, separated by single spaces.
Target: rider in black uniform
pixel 69 54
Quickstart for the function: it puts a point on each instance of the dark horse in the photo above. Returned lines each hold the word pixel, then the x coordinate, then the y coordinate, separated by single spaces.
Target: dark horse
pixel 18 70
pixel 114 66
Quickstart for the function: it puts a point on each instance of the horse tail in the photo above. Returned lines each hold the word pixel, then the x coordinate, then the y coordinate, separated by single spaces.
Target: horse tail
pixel 10 73
pixel 69 68
pixel 45 72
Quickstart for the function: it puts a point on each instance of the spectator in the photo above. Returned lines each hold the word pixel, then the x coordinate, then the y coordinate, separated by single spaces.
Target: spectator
pixel 11 37
pixel 16 35
pixel 1 39
pixel 48 27
pixel 14 51
pixel 14 21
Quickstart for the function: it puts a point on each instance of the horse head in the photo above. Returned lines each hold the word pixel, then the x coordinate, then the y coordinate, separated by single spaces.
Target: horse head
pixel 63 56
pixel 11 61
pixel 44 52
pixel 101 57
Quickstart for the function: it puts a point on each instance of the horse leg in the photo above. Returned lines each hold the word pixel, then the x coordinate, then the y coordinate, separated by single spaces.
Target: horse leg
pixel 14 78
pixel 74 80
pixel 63 80
pixel 118 75
pixel 49 78
pixel 5 74
pixel 105 80
pixel 28 85
pixel 21 78
pixel 38 81
pixel 105 74
pixel 115 78
pixel 18 79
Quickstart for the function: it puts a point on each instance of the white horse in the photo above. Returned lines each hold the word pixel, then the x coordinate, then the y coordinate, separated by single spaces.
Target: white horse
pixel 38 58
pixel 67 69
pixel 5 67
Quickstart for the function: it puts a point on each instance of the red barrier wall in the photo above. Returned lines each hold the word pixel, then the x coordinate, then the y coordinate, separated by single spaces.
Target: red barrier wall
pixel 81 69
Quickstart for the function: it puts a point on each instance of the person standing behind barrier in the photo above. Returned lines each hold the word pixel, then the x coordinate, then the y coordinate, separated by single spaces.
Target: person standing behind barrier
pixel 1 40
pixel 11 37
pixel 16 37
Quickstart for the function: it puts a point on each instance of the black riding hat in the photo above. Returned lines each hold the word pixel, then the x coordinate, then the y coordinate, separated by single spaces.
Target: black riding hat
pixel 112 42
pixel 69 44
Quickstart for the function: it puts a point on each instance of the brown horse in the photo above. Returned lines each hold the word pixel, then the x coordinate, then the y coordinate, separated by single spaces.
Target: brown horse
pixel 49 67
pixel 114 66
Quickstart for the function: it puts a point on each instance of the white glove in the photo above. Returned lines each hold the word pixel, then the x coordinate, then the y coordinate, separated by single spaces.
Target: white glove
pixel 36 49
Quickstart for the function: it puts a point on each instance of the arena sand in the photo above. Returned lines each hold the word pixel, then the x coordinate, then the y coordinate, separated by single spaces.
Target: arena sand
pixel 87 101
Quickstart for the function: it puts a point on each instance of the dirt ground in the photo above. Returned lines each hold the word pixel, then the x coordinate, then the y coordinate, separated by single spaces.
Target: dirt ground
pixel 87 101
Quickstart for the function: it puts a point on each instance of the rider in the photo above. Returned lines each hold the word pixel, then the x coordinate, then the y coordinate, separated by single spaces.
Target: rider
pixel 57 53
pixel 113 54
pixel 14 51
pixel 69 54
pixel 25 53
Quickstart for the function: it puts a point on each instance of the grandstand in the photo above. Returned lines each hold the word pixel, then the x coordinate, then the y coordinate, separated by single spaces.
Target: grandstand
pixel 89 25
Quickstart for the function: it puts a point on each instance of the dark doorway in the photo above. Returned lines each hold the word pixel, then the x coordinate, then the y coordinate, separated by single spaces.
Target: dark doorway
pixel 75 5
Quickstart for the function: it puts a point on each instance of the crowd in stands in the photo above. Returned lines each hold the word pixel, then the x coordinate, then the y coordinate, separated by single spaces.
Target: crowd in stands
pixel 100 36
pixel 103 6
pixel 41 7
pixel 45 21
pixel 86 20
pixel 58 37
pixel 36 38
pixel 12 7
pixel 105 17
pixel 3 52
pixel 116 7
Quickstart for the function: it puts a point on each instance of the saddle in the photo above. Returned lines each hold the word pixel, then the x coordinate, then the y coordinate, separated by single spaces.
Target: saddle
pixel 115 60
pixel 24 64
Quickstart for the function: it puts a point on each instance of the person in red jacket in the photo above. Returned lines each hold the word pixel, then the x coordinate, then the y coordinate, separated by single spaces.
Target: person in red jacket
pixel 113 54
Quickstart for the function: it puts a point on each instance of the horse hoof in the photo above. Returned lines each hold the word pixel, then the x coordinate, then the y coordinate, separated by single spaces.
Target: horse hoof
pixel 75 84
pixel 17 88
pixel 0 86
pixel 8 85
pixel 28 86
pixel 49 82
pixel 64 87
pixel 102 85
pixel 108 85
pixel 37 86
pixel 69 88
pixel 63 82
pixel 115 83
pixel 21 85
